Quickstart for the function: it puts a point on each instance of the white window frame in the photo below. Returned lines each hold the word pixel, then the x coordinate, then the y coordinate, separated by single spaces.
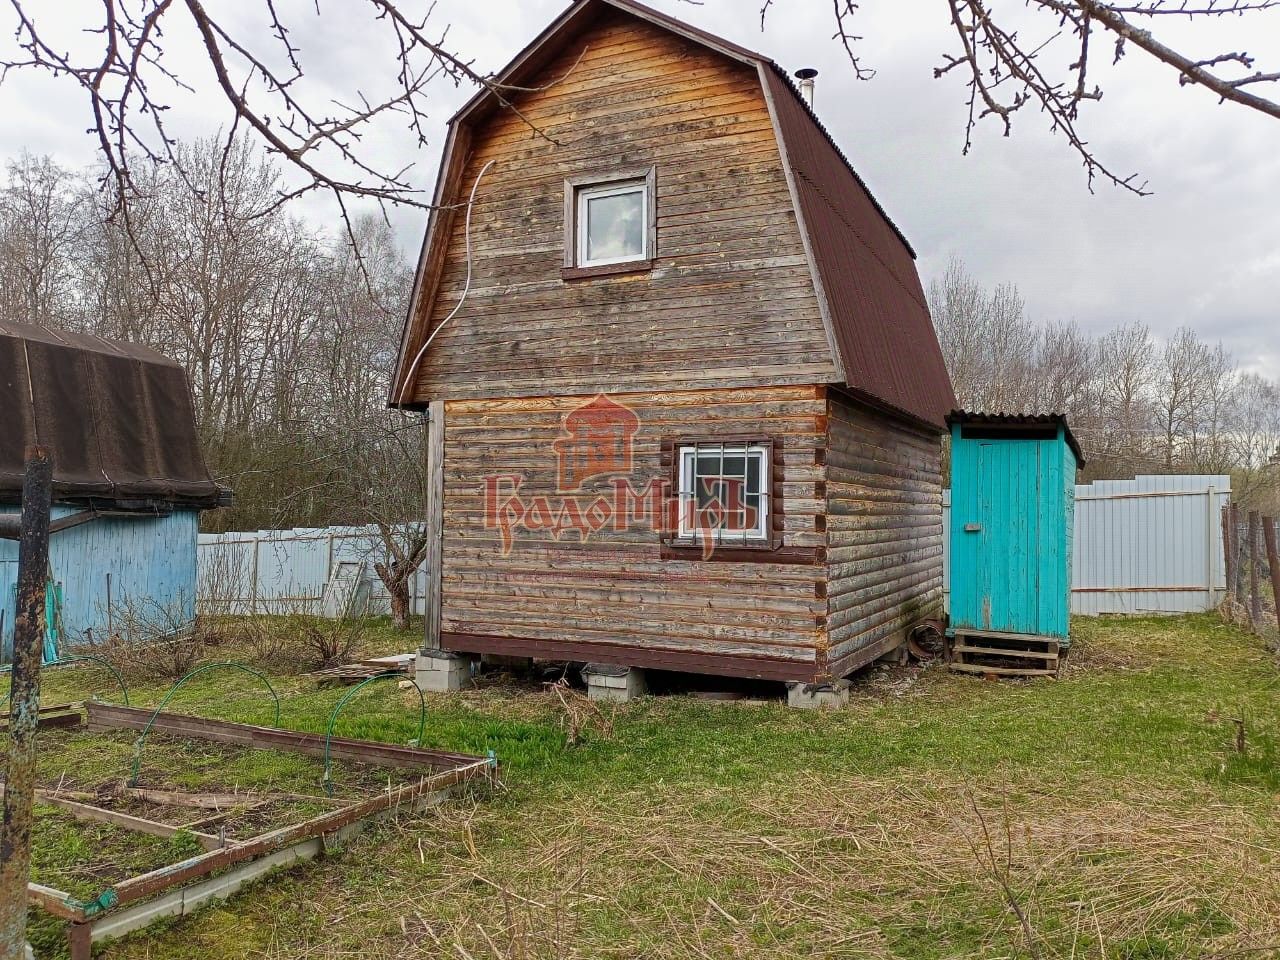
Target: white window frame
pixel 688 500
pixel 585 193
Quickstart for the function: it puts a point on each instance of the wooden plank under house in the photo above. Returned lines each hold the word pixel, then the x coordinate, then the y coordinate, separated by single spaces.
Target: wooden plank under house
pixel 685 394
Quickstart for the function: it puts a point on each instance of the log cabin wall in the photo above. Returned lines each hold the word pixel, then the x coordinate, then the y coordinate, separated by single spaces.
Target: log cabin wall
pixel 729 300
pixel 884 532
pixel 613 598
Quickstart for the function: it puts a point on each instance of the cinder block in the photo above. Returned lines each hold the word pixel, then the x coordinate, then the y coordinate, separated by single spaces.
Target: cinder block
pixel 439 672
pixel 613 684
pixel 816 696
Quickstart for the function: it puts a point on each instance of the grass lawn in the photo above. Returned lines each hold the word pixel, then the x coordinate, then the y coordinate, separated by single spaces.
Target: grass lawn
pixel 1111 807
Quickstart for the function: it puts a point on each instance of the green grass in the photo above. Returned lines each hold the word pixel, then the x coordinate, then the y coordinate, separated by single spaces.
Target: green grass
pixel 1112 805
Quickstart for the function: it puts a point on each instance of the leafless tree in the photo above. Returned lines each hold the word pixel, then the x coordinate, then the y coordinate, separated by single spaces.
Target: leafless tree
pixel 1135 405
pixel 1043 59
pixel 1065 371
pixel 986 340
pixel 42 217
pixel 1125 374
pixel 1208 428
pixel 1255 424
pixel 120 59
pixel 1179 371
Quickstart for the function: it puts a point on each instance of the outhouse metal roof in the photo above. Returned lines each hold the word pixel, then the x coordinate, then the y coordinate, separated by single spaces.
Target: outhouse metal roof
pixel 1014 421
pixel 117 420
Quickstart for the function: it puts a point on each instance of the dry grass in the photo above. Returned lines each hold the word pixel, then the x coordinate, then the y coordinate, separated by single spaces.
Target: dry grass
pixel 822 869
pixel 1112 808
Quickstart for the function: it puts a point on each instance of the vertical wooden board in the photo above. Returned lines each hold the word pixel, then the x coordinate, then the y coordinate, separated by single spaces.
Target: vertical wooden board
pixel 434 559
pixel 1050 540
pixel 151 562
pixel 965 569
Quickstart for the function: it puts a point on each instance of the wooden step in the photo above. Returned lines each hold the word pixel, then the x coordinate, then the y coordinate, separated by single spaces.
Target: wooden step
pixel 1050 644
pixel 1002 652
pixel 1003 671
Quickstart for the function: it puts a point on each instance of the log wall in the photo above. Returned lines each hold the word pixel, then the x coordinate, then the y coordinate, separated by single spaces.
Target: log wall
pixel 729 300
pixel 613 598
pixel 884 532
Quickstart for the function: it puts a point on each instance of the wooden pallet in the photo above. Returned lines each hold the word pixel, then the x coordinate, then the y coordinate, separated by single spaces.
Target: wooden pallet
pixel 351 673
pixel 1005 654
pixel 54 716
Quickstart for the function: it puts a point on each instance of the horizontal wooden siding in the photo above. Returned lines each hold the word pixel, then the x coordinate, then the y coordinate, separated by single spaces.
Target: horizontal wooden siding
pixel 729 300
pixel 614 589
pixel 884 532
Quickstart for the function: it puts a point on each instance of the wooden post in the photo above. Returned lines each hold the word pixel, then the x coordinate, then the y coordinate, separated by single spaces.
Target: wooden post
pixel 1273 563
pixel 1236 549
pixel 1227 555
pixel 1210 567
pixel 435 525
pixel 24 710
pixel 1255 561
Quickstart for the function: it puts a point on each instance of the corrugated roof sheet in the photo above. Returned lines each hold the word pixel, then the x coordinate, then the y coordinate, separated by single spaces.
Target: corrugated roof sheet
pixel 1015 420
pixel 116 418
pixel 867 271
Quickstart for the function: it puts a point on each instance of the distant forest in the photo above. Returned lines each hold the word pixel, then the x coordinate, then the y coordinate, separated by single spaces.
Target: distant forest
pixel 1136 403
pixel 289 339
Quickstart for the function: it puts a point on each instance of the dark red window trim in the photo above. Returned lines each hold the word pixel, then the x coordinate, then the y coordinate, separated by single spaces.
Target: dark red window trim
pixel 769 549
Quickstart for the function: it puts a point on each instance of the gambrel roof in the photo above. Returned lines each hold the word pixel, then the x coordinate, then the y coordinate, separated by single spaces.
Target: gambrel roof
pixel 863 269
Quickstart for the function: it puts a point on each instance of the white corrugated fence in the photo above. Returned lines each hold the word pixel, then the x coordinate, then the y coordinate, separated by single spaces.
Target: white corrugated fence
pixel 315 570
pixel 1151 544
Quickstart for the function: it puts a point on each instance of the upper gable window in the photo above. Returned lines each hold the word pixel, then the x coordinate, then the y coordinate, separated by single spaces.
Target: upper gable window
pixel 609 223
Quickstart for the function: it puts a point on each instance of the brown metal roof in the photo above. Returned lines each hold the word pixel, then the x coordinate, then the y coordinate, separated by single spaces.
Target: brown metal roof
pixel 1013 421
pixel 866 271
pixel 863 267
pixel 116 418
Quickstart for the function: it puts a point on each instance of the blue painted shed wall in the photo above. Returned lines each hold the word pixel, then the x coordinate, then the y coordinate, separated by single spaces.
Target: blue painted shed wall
pixel 1012 574
pixel 152 562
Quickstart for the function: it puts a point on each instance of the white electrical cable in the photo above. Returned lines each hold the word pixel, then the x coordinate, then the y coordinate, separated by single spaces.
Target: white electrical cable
pixel 413 367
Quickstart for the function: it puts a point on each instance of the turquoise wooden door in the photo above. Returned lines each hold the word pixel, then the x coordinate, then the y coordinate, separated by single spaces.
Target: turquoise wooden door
pixel 999 540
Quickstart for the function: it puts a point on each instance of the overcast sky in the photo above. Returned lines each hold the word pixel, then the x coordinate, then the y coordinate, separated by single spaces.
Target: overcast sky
pixel 1203 251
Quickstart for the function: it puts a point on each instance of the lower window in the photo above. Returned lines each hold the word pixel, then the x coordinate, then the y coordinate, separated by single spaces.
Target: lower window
pixel 724 491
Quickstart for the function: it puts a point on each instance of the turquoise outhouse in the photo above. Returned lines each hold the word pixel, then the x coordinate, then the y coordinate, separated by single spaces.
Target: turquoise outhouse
pixel 1012 508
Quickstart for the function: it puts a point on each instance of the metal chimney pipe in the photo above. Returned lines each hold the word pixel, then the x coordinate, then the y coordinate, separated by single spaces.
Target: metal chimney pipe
pixel 805 75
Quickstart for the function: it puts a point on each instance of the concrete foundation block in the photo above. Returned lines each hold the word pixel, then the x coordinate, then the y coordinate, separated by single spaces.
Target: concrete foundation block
pixel 817 696
pixel 440 672
pixel 613 684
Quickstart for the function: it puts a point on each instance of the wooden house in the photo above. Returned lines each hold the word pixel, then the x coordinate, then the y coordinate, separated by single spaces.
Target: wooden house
pixel 129 482
pixel 685 397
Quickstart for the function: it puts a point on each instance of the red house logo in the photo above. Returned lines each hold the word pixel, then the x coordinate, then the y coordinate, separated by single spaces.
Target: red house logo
pixel 597 442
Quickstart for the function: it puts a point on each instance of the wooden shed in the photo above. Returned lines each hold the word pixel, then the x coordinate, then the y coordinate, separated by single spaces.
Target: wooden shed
pixel 129 483
pixel 1012 513
pixel 686 400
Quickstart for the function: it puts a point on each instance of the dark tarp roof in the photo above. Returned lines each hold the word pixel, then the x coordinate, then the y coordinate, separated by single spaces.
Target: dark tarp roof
pixel 864 269
pixel 116 418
